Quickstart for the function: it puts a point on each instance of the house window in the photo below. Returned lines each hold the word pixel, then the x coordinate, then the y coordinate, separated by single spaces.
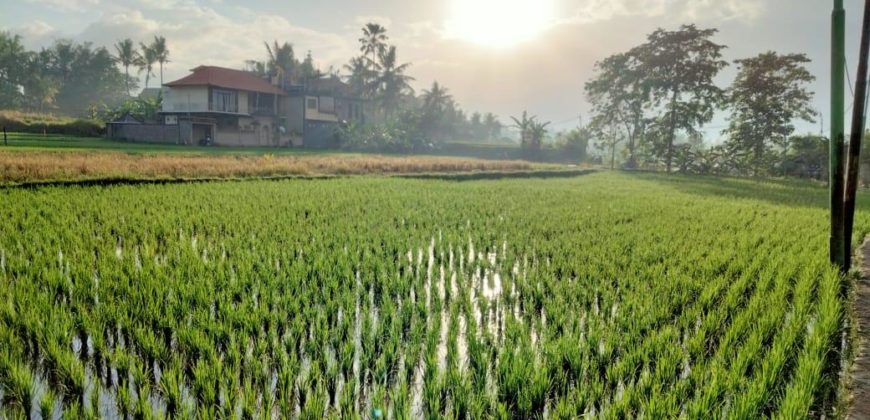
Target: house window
pixel 225 100
pixel 311 103
pixel 327 105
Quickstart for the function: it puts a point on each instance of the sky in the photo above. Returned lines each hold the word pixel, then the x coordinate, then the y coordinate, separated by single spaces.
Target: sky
pixel 501 56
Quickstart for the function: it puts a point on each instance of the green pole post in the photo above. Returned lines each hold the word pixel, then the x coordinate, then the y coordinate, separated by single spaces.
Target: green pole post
pixel 837 181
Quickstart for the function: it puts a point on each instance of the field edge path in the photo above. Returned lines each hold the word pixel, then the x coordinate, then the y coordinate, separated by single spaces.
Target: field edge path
pixel 860 377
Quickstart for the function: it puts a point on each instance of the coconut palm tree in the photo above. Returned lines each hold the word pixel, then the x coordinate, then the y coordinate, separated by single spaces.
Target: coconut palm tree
pixel 393 83
pixel 147 58
pixel 127 56
pixel 161 53
pixel 357 75
pixel 436 99
pixel 372 44
pixel 282 60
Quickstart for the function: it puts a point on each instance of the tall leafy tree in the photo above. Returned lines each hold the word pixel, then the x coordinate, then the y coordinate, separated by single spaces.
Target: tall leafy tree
pixel 393 83
pixel 161 53
pixel 85 75
pixel 618 95
pixel 40 88
pixel 679 67
pixel 126 56
pixel 13 70
pixel 493 126
pixel 307 70
pixel 146 63
pixel 768 94
pixel 61 58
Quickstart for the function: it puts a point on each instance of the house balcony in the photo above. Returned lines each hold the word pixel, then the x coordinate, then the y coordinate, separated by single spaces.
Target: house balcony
pixel 194 107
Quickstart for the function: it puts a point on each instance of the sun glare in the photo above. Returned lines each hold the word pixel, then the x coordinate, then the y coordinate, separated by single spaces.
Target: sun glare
pixel 499 23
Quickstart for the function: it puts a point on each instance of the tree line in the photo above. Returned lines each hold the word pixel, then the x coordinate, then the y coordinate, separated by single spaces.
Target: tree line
pixel 69 77
pixel 651 102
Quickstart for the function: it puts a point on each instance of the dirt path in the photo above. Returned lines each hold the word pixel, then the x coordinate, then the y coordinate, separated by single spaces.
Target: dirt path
pixel 860 407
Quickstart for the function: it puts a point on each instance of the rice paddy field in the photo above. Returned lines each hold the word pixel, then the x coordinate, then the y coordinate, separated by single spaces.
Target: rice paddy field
pixel 607 295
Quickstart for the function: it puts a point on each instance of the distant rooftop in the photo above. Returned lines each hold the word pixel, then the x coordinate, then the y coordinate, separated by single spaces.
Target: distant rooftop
pixel 226 78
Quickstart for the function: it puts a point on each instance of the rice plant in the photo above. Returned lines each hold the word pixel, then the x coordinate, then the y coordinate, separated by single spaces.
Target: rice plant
pixel 612 295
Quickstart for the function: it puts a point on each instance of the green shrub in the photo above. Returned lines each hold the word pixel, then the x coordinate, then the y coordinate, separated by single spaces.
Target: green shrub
pixel 50 124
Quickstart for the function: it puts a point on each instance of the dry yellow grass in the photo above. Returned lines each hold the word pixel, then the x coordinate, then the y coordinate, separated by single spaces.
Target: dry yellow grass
pixel 18 167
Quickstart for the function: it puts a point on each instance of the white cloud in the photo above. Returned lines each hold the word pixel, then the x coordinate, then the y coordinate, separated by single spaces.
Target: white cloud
pixel 67 5
pixel 198 35
pixel 37 28
pixel 37 33
pixel 713 10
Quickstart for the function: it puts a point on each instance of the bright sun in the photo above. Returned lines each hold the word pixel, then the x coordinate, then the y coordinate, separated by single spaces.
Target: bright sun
pixel 499 23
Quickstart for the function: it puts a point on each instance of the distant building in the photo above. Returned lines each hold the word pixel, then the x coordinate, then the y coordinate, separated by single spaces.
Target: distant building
pixel 230 107
pixel 326 102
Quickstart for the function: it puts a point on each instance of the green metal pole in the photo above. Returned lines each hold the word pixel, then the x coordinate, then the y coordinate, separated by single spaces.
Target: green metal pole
pixel 837 181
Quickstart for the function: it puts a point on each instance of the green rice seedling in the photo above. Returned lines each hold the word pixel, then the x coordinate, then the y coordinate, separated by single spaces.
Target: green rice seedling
pixel 72 375
pixel 315 403
pixel 612 295
pixel 124 401
pixel 17 383
pixel 170 388
pixel 143 408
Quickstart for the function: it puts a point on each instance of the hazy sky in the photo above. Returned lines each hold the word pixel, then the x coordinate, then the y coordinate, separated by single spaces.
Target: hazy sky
pixel 541 68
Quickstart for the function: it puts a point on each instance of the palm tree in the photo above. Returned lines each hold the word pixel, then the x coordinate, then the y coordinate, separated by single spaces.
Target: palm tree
pixel 436 99
pixel 147 58
pixel 357 75
pixel 127 56
pixel 373 43
pixel 524 125
pixel 161 53
pixel 393 82
pixel 282 60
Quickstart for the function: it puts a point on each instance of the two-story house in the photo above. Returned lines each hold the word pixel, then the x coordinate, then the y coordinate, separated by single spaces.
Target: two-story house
pixel 228 107
pixel 319 106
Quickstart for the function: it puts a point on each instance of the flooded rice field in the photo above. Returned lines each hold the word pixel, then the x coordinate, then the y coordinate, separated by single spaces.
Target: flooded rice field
pixel 599 295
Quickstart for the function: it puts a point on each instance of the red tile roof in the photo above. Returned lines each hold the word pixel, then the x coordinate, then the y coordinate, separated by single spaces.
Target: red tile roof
pixel 226 78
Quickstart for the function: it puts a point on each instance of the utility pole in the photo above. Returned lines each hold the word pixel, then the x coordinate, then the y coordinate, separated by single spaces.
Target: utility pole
pixel 856 135
pixel 838 70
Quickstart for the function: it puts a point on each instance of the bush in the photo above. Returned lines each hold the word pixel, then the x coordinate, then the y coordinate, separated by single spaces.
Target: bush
pixel 575 142
pixel 400 134
pixel 49 124
pixel 145 109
